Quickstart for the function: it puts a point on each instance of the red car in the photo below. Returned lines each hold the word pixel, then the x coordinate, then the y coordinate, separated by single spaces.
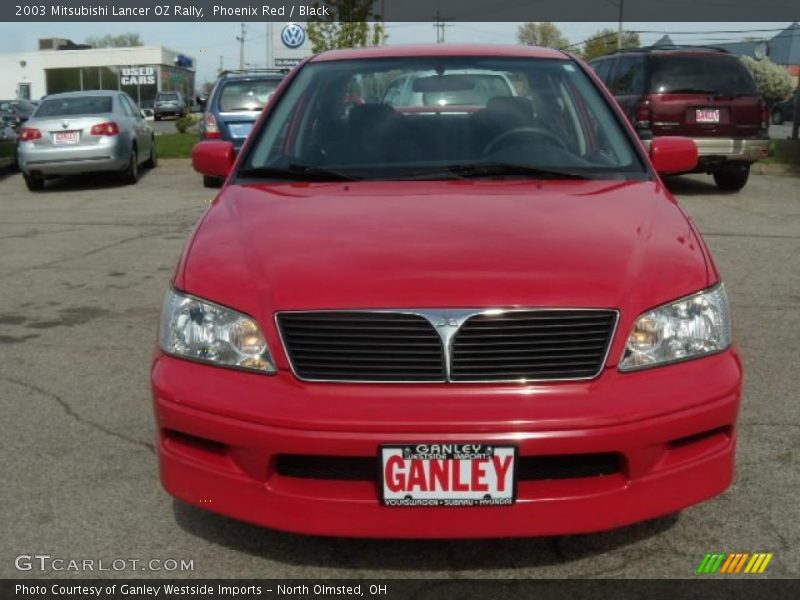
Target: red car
pixel 483 318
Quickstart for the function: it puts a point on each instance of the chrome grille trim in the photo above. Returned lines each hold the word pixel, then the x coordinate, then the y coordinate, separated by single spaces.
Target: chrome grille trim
pixel 448 323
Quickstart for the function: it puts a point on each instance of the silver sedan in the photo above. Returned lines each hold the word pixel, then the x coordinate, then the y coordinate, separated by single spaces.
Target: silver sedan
pixel 82 132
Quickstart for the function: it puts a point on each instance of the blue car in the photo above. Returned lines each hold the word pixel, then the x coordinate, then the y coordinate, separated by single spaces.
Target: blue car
pixel 234 105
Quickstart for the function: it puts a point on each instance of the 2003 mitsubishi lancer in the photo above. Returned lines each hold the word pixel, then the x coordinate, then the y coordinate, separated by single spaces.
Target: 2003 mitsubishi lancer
pixel 445 293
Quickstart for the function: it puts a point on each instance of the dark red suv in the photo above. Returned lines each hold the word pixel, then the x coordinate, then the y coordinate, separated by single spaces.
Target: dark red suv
pixel 702 93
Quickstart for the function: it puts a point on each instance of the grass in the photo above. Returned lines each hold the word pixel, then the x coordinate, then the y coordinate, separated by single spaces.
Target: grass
pixel 175 145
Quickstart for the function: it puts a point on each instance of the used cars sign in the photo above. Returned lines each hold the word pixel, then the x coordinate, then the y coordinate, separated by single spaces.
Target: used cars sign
pixel 138 76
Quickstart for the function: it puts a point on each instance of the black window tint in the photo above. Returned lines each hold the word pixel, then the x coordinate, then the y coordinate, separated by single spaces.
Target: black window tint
pixel 601 67
pixel 70 106
pixel 629 76
pixel 701 73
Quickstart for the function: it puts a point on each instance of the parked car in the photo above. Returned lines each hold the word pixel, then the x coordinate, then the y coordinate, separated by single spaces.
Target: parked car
pixel 464 88
pixel 169 104
pixel 21 109
pixel 702 93
pixel 234 104
pixel 80 132
pixel 8 140
pixel 784 110
pixel 446 324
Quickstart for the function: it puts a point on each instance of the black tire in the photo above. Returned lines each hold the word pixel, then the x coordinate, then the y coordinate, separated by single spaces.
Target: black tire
pixel 152 160
pixel 732 178
pixel 34 183
pixel 131 173
pixel 211 182
pixel 777 117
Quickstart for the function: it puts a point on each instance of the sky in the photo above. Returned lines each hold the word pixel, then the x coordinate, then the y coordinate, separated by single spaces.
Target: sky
pixel 206 42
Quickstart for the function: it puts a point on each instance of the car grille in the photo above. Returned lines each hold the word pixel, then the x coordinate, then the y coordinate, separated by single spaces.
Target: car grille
pixel 367 468
pixel 362 346
pixel 484 346
pixel 537 344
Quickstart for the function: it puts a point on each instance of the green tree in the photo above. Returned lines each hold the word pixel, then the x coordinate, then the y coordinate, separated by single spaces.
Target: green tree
pixel 351 24
pixel 773 81
pixel 541 34
pixel 605 40
pixel 123 40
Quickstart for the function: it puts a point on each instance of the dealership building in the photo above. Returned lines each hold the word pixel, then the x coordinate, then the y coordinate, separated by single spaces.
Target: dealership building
pixel 63 66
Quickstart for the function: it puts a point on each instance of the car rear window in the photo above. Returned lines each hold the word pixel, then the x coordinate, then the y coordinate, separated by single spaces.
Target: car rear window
pixel 167 97
pixel 83 105
pixel 703 73
pixel 459 89
pixel 249 95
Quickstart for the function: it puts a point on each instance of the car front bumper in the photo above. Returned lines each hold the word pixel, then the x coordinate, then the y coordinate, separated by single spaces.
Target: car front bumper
pixel 672 427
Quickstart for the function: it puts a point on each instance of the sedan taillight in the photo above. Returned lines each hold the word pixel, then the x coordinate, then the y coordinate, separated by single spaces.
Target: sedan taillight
pixel 107 128
pixel 211 129
pixel 29 133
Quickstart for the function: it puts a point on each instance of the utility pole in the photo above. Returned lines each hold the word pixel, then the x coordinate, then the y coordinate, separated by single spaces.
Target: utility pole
pixel 440 24
pixel 268 55
pixel 240 39
pixel 221 64
pixel 619 29
pixel 796 122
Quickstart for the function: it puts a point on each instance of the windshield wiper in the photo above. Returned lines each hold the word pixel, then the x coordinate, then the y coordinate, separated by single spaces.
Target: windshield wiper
pixel 496 170
pixel 296 172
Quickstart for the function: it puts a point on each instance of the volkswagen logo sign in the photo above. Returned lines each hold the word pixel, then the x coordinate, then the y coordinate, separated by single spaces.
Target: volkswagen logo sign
pixel 293 35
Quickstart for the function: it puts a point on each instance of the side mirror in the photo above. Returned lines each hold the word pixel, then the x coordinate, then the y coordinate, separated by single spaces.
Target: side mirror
pixel 213 158
pixel 673 154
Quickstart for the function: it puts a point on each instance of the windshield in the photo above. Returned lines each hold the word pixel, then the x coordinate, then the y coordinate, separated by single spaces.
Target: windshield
pixel 246 95
pixel 703 73
pixel 441 117
pixel 71 106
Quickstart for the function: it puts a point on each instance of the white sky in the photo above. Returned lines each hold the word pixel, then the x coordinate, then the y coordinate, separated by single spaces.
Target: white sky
pixel 208 41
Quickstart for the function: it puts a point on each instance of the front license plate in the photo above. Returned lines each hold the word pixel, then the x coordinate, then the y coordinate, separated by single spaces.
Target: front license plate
pixel 65 137
pixel 448 474
pixel 707 115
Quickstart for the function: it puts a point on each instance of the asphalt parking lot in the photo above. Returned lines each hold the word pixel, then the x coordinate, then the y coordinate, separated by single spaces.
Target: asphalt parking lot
pixel 83 270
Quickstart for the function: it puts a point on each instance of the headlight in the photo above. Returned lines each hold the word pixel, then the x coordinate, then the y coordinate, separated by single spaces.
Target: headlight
pixel 687 328
pixel 199 330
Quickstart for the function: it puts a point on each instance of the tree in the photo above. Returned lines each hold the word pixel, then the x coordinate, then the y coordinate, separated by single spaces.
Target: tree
pixel 773 81
pixel 123 40
pixel 541 34
pixel 605 40
pixel 347 26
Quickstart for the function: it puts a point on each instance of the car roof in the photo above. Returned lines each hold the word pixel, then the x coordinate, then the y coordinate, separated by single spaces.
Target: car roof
pixel 424 50
pixel 109 93
pixel 671 50
pixel 254 74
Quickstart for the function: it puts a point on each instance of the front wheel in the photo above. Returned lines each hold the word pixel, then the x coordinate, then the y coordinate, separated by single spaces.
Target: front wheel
pixel 732 178
pixel 131 173
pixel 34 183
pixel 777 117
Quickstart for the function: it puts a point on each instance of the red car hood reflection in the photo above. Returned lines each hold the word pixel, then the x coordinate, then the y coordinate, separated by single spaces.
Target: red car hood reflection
pixel 474 243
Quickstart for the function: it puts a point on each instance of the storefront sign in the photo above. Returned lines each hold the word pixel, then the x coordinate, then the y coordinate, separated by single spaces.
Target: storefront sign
pixel 138 76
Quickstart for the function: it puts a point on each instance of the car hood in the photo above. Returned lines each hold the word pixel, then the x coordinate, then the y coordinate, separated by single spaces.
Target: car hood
pixel 464 243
